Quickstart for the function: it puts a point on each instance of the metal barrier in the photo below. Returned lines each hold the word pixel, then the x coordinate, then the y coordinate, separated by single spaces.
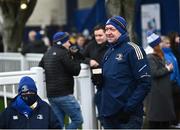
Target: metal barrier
pixel 84 90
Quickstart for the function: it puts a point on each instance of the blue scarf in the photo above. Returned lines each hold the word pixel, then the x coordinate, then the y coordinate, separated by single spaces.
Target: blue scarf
pixel 169 57
pixel 21 106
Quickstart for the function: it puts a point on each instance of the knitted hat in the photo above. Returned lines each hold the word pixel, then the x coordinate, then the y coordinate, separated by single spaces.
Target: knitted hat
pixel 60 38
pixel 27 84
pixel 119 23
pixel 153 39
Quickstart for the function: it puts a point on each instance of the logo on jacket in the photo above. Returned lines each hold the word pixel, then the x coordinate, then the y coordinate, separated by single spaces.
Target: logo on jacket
pixel 15 117
pixel 39 116
pixel 54 53
pixel 119 57
pixel 24 88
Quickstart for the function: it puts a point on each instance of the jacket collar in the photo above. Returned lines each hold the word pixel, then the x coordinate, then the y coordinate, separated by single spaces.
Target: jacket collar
pixel 21 106
pixel 59 46
pixel 122 39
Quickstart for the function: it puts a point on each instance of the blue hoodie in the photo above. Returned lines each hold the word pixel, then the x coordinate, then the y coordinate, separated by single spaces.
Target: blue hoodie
pixel 20 116
pixel 170 58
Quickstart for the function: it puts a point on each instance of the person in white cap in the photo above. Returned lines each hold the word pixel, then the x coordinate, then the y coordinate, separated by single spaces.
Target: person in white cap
pixel 159 103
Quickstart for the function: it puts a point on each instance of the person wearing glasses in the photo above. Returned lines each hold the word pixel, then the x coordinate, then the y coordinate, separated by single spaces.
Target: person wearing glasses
pixel 126 78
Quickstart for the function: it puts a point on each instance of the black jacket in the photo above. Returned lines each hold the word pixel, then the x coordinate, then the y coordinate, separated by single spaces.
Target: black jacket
pixel 60 67
pixel 42 118
pixel 95 51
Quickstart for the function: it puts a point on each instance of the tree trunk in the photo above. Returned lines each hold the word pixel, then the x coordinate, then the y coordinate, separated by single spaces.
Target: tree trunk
pixel 124 8
pixel 14 20
pixel 12 38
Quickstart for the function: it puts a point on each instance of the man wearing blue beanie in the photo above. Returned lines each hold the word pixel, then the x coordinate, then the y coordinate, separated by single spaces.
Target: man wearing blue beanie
pixel 27 110
pixel 126 79
pixel 60 66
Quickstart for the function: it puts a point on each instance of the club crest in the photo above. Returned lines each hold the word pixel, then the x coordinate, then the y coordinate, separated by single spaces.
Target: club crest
pixel 24 88
pixel 15 117
pixel 39 116
pixel 119 57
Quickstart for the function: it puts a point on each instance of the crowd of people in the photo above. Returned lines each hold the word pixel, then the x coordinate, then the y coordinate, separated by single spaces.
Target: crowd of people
pixel 131 82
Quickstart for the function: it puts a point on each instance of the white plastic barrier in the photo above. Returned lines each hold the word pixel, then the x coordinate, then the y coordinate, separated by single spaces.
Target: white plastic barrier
pixel 86 96
pixel 17 62
pixel 9 82
pixel 84 90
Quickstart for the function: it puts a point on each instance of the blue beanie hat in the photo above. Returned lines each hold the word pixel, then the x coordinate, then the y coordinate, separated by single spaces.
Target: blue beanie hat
pixel 27 84
pixel 60 38
pixel 38 36
pixel 119 23
pixel 153 39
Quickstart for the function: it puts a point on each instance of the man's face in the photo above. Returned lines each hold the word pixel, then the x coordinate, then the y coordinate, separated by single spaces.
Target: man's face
pixel 29 97
pixel 81 41
pixel 32 35
pixel 67 44
pixel 100 36
pixel 112 33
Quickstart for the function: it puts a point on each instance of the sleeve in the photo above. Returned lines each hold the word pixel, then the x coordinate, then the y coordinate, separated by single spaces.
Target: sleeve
pixel 141 73
pixel 86 55
pixel 41 63
pixel 25 49
pixel 54 123
pixel 156 71
pixel 72 65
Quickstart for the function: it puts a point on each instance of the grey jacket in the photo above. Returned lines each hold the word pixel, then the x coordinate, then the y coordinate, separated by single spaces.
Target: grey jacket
pixel 159 102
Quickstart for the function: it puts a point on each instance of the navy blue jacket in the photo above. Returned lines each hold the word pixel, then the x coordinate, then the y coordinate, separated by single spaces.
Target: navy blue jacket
pixel 126 78
pixel 41 118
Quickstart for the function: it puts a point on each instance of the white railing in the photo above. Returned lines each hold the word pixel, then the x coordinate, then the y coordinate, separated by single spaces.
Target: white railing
pixel 16 61
pixel 9 82
pixel 84 90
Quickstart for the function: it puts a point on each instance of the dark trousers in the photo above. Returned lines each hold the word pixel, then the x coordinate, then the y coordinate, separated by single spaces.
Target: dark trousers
pixel 159 124
pixel 176 100
pixel 97 100
pixel 135 122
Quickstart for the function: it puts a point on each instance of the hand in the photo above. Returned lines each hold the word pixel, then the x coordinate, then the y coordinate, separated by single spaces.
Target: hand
pixel 120 116
pixel 93 63
pixel 169 66
pixel 97 79
pixel 124 117
pixel 73 49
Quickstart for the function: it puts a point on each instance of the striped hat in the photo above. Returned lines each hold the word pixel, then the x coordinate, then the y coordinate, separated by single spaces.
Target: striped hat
pixel 119 23
pixel 60 38
pixel 153 39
